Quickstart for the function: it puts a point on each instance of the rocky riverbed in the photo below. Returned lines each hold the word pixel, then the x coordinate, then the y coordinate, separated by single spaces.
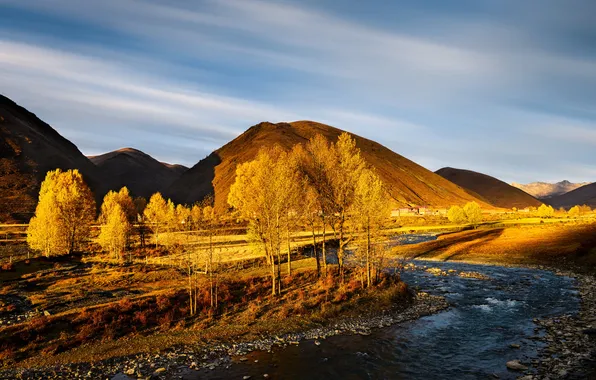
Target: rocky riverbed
pixel 570 339
pixel 187 361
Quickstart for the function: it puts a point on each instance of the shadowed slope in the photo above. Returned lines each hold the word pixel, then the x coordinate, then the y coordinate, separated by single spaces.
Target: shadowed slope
pixel 29 148
pixel 141 173
pixel 496 192
pixel 408 183
pixel 585 195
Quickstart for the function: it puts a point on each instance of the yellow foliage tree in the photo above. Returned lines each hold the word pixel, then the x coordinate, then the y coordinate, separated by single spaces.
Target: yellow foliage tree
pixel 473 213
pixel 118 210
pixel 345 172
pixel 157 215
pixel 545 211
pixel 114 233
pixel 64 213
pixel 456 215
pixel 121 198
pixel 262 193
pixel 316 162
pixel 370 210
pixel 574 211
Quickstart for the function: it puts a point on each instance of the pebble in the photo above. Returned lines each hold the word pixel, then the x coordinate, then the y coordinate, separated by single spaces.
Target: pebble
pixel 516 365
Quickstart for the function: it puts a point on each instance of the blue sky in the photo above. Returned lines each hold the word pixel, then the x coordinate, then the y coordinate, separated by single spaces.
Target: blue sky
pixel 507 88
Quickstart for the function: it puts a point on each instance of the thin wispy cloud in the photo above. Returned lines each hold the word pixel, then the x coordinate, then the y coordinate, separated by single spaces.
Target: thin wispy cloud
pixel 463 88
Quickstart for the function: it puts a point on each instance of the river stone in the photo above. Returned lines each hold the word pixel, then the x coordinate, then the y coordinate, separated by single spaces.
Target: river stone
pixel 516 365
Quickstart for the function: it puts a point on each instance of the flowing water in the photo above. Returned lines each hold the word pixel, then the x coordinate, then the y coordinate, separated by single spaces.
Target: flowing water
pixel 470 340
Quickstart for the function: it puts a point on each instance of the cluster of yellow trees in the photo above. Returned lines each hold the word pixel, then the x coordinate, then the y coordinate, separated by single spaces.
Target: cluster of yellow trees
pixel 577 211
pixel 66 210
pixel 321 183
pixel 470 213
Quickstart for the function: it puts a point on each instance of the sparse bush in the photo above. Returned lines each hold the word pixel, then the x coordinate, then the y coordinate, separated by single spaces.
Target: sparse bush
pixel 8 267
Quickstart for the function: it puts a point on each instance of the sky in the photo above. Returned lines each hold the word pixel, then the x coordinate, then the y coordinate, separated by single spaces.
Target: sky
pixel 504 87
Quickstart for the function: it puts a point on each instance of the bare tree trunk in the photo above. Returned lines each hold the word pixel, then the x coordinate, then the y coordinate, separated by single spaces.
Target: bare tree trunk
pixel 314 249
pixel 368 281
pixel 324 247
pixel 273 277
pixel 340 251
pixel 289 252
pixel 210 269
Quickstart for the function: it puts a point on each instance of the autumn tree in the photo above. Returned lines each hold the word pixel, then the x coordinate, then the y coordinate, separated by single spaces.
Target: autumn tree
pixel 118 211
pixel 370 209
pixel 585 210
pixel 121 198
pixel 262 193
pixel 574 211
pixel 316 162
pixel 64 213
pixel 345 173
pixel 157 215
pixel 456 215
pixel 115 231
pixel 545 211
pixel 473 213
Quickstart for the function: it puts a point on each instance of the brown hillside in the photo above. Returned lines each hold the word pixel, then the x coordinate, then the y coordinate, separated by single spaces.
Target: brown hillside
pixel 585 195
pixel 408 182
pixel 141 173
pixel 496 192
pixel 29 148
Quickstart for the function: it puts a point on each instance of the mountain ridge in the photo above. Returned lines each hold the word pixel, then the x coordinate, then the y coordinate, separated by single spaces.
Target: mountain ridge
pixel 584 195
pixel 409 184
pixel 495 191
pixel 142 174
pixel 29 148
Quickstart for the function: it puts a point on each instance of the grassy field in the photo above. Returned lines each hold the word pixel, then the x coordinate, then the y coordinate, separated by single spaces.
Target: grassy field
pixel 568 244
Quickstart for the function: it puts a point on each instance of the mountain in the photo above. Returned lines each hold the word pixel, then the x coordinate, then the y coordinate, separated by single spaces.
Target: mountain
pixel 141 173
pixel 585 195
pixel 409 184
pixel 545 190
pixel 29 148
pixel 494 191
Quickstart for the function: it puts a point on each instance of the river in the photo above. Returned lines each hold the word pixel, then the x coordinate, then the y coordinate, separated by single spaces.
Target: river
pixel 470 340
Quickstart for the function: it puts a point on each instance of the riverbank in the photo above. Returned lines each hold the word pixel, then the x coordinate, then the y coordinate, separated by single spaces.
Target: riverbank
pixel 571 339
pixel 193 360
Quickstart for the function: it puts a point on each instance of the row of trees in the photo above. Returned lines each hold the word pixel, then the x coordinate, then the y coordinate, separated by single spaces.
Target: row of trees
pixel 324 184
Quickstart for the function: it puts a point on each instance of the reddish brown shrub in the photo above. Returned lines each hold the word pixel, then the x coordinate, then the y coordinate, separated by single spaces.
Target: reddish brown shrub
pixel 8 267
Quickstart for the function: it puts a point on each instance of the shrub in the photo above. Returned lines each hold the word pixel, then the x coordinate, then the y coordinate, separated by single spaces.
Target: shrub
pixel 8 267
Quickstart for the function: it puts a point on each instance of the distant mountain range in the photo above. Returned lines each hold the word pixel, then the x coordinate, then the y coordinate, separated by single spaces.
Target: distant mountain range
pixel 545 190
pixel 494 191
pixel 29 148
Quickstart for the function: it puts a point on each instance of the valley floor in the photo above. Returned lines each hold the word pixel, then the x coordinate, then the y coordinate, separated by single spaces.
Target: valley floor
pixel 68 310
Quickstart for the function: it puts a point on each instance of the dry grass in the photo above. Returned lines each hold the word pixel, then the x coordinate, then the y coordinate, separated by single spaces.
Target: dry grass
pixel 543 244
pixel 100 310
